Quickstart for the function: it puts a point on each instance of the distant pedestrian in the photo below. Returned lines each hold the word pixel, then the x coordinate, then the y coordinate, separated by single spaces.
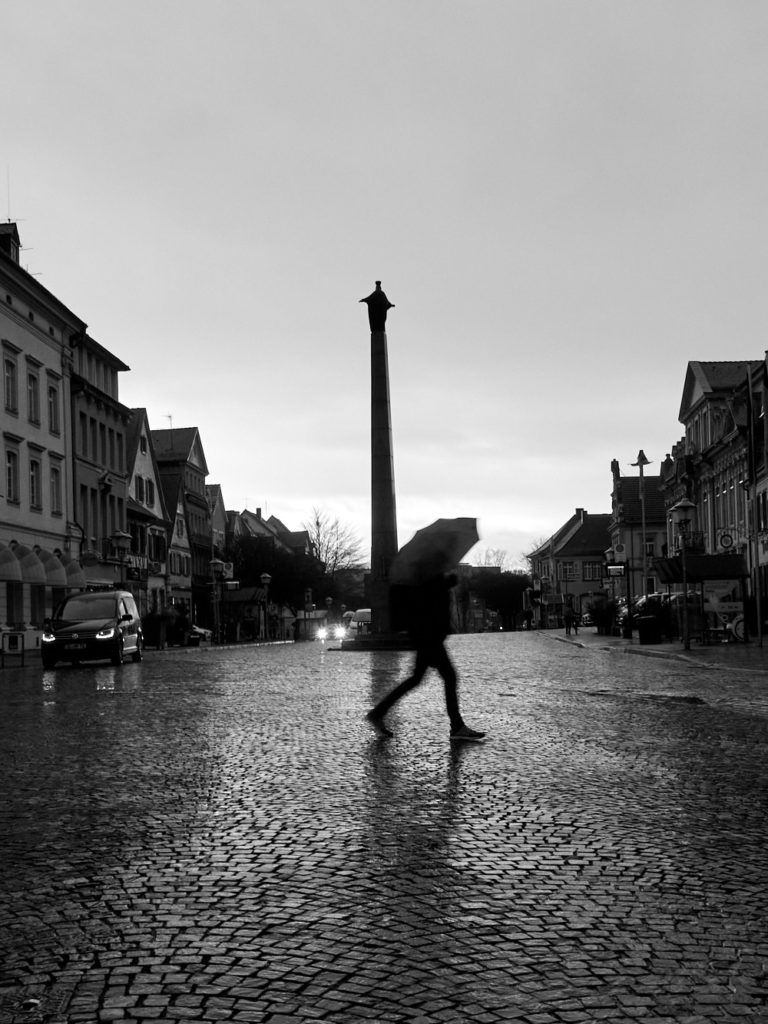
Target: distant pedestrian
pixel 425 611
pixel 528 616
pixel 569 617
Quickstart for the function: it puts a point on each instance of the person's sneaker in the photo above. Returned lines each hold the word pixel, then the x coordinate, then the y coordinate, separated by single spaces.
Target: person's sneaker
pixel 378 724
pixel 465 733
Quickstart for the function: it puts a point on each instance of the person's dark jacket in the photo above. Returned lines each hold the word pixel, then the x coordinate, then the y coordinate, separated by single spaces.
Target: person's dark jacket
pixel 423 610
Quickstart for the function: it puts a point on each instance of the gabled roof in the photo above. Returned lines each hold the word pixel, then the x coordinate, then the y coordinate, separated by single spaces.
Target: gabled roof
pixel 138 422
pixel 213 495
pixel 179 444
pixel 9 228
pixel 591 537
pixel 629 499
pixel 582 535
pixel 704 379
pixel 171 485
pixel 133 433
pixel 297 540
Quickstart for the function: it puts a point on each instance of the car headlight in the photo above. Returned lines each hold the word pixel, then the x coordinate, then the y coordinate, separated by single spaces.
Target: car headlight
pixel 339 633
pixel 106 634
pixel 48 637
pixel 322 633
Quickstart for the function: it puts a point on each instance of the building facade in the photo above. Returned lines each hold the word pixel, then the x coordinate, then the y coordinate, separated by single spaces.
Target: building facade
pixel 40 539
pixel 183 469
pixel 148 521
pixel 568 568
pixel 100 466
pixel 638 529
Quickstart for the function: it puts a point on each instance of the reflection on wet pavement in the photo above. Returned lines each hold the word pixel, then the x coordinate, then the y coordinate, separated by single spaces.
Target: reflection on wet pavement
pixel 222 837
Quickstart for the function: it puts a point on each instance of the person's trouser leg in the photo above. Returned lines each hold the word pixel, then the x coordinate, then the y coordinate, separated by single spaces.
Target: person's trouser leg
pixel 439 659
pixel 419 670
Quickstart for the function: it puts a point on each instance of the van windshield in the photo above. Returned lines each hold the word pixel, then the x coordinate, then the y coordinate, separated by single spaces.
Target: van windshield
pixel 88 608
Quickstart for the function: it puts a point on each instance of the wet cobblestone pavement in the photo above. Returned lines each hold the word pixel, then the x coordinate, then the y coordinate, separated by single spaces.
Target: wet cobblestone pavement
pixel 216 835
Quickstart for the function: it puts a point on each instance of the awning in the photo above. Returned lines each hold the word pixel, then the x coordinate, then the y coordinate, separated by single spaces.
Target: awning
pixel 22 564
pixel 55 573
pixel 32 569
pixel 10 570
pixel 699 568
pixel 75 575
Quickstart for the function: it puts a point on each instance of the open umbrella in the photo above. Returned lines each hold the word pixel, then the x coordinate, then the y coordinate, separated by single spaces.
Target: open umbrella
pixel 436 549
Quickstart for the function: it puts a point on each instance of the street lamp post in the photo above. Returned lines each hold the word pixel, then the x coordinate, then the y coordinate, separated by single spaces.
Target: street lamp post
pixel 122 543
pixel 682 514
pixel 266 579
pixel 641 463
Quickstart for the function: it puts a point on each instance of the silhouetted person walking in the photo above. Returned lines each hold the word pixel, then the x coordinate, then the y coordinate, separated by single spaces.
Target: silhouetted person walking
pixel 569 616
pixel 425 611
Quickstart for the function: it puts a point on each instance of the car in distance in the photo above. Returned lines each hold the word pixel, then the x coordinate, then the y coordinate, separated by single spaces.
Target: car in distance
pixel 93 626
pixel 337 632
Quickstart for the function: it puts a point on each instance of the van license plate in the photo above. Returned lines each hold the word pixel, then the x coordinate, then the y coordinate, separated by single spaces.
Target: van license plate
pixel 74 647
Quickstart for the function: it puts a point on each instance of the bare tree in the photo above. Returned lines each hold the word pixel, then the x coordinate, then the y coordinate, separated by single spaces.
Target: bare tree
pixel 336 545
pixel 496 557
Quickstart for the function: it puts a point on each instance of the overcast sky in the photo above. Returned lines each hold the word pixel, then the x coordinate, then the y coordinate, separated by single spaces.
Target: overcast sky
pixel 566 201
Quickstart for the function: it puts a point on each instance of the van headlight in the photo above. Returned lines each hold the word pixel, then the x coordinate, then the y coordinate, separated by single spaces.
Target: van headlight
pixel 106 634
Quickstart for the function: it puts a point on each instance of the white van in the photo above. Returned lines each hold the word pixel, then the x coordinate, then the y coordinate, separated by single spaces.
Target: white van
pixel 359 622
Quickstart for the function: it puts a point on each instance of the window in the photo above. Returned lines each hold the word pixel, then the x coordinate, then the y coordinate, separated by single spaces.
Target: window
pixel 593 571
pixel 35 484
pixel 150 493
pixel 11 385
pixel 566 571
pixel 12 475
pixel 37 604
pixel 140 489
pixel 33 397
pixel 56 490
pixel 84 520
pixel 143 444
pixel 54 422
pixel 14 596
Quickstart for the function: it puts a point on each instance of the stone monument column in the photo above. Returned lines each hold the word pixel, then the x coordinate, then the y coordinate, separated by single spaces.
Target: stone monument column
pixel 383 515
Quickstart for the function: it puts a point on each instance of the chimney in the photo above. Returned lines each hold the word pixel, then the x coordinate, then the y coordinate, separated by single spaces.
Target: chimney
pixel 581 514
pixel 258 513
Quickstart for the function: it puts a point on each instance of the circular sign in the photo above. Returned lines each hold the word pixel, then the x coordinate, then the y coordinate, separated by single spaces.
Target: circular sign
pixel 726 540
pixel 737 627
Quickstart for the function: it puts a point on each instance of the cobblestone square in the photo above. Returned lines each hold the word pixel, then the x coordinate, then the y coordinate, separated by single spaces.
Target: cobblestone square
pixel 216 834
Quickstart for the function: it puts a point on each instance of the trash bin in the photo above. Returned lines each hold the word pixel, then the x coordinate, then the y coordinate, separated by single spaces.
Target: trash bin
pixel 649 629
